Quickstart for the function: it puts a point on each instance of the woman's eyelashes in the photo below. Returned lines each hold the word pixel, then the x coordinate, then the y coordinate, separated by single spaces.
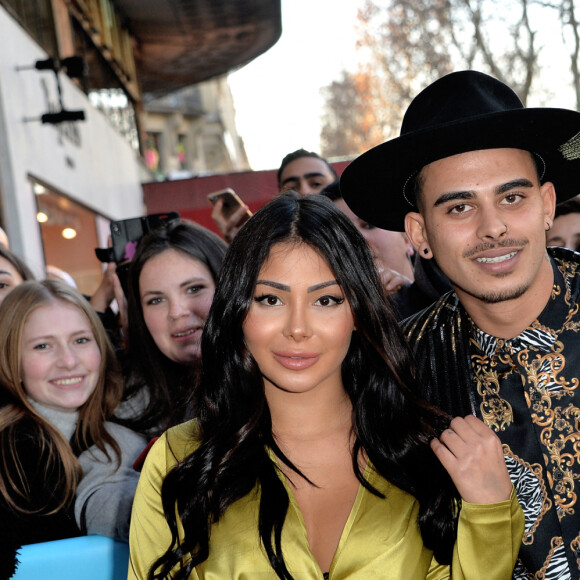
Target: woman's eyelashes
pixel 268 300
pixel 273 300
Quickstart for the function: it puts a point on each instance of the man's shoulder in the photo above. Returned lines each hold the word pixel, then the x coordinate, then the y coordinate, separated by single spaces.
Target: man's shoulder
pixel 568 263
pixel 444 310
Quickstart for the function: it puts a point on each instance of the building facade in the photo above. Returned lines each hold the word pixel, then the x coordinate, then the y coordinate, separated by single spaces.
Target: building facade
pixel 192 132
pixel 73 75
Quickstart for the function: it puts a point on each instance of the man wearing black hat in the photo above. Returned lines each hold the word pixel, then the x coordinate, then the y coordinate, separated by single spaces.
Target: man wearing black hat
pixel 473 179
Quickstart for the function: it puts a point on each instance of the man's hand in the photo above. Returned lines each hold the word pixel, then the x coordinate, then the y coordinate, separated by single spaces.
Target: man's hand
pixel 473 456
pixel 392 280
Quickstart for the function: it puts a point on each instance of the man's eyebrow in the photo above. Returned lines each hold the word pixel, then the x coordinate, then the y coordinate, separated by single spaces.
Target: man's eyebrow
pixel 453 196
pixel 466 195
pixel 286 288
pixel 305 176
pixel 514 184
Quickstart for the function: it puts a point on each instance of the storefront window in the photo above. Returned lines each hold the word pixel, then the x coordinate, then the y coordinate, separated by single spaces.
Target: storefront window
pixel 70 234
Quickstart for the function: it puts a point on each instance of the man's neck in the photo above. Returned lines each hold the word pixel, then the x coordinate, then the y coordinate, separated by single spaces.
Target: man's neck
pixel 509 318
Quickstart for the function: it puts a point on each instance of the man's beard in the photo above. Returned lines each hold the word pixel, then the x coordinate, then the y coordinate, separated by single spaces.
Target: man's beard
pixel 498 296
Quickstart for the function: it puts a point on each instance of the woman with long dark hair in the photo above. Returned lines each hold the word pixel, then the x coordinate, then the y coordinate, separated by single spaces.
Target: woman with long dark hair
pixel 311 456
pixel 171 282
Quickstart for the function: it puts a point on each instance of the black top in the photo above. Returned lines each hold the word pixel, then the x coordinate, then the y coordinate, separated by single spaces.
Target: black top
pixel 20 528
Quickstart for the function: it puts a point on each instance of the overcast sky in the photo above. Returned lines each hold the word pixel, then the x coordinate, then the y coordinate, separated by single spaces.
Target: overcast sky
pixel 277 96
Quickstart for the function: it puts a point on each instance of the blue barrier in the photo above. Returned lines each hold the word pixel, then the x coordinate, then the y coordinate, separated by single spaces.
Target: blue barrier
pixel 83 558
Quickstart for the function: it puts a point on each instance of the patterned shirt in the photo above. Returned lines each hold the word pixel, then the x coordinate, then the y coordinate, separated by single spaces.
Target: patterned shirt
pixel 527 391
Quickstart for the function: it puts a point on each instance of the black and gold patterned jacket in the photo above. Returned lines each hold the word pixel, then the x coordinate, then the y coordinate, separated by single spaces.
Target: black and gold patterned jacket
pixel 527 390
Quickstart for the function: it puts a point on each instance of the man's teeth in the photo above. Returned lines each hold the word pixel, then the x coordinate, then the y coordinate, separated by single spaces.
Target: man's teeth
pixel 498 259
pixel 66 382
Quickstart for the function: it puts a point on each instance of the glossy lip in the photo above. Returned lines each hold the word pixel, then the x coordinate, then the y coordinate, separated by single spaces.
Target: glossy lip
pixel 296 360
pixel 66 387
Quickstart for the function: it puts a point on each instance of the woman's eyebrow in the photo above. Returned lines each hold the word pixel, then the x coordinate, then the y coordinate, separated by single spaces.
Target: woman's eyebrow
pixel 286 288
pixel 273 284
pixel 322 285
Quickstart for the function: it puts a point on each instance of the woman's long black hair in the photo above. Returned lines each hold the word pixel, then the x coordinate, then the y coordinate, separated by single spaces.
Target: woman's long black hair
pixel 390 423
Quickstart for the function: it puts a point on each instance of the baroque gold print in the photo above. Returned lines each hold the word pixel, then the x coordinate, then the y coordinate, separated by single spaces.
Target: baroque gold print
pixel 545 371
pixel 496 412
pixel 556 543
pixel 559 425
pixel 575 545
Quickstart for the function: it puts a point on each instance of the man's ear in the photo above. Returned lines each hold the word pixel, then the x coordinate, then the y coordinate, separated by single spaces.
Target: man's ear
pixel 415 230
pixel 549 197
pixel 409 249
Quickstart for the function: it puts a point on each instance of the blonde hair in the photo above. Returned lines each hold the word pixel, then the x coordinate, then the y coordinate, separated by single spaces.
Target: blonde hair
pixel 16 408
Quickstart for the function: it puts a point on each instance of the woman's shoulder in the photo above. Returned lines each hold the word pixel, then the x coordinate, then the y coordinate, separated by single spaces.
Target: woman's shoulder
pixel 185 437
pixel 176 443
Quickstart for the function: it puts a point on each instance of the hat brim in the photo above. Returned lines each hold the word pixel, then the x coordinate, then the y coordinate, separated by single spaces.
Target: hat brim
pixel 373 185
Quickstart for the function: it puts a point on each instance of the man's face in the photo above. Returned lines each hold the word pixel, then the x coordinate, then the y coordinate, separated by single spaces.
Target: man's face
pixel 306 175
pixel 483 219
pixel 565 232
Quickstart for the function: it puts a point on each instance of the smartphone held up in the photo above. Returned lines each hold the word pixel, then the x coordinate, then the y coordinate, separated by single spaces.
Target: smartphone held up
pixel 231 202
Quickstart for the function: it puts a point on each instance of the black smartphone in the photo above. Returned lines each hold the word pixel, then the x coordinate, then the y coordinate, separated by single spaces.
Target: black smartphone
pixel 126 234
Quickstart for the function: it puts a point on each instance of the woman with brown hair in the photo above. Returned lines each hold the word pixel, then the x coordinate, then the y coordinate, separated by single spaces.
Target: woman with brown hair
pixel 59 386
pixel 170 288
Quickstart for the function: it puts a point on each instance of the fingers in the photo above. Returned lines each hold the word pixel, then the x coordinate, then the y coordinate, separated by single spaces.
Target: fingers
pixel 230 226
pixel 217 216
pixel 473 456
pixel 392 280
pixel 121 303
pixel 104 294
pixel 240 216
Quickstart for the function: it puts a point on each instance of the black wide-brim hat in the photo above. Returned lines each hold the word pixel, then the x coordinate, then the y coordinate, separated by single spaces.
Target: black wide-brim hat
pixel 460 112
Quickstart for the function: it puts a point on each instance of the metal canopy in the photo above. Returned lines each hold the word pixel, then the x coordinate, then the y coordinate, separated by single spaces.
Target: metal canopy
pixel 184 42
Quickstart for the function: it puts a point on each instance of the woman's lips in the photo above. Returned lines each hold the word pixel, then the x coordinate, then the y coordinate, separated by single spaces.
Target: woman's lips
pixel 71 382
pixel 186 334
pixel 296 361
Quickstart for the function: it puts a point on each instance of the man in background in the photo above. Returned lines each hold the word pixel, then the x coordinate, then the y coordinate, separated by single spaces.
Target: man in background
pixel 303 171
pixel 565 231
